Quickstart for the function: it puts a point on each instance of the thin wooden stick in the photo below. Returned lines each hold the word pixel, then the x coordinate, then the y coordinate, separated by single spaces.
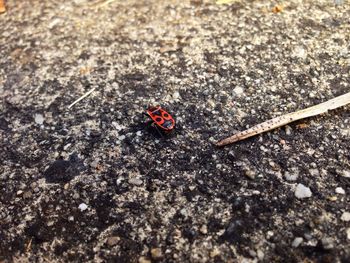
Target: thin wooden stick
pixel 82 97
pixel 288 118
pixel 29 245
pixel 2 6
pixel 102 3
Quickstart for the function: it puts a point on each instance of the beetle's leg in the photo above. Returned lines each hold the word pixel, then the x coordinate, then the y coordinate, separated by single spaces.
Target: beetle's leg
pixel 159 132
pixel 149 123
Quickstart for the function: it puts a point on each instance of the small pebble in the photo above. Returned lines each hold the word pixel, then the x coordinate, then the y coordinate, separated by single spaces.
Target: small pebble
pixel 112 241
pixel 238 90
pixel 252 253
pixel 250 174
pixel 327 243
pixel 39 119
pixel 27 194
pixel 312 95
pixel 144 260
pixel 332 198
pixel 308 236
pixel 269 234
pixel 83 207
pixel 348 233
pixel 117 126
pixel 184 212
pixel 156 253
pixel 260 254
pixel 121 137
pixel 299 222
pixel 288 130
pixel 203 229
pixel 211 103
pixel 338 2
pixel 176 95
pixel 300 52
pixel 297 241
pixel 345 173
pixel 340 191
pixel 314 172
pixel 215 252
pixel 345 217
pixel 291 176
pixel 135 181
pixel 94 163
pixel 302 191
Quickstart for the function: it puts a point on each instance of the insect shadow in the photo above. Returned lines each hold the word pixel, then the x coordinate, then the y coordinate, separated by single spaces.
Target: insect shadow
pixel 149 131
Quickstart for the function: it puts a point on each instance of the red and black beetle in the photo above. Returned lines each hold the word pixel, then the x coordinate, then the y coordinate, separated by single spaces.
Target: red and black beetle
pixel 161 119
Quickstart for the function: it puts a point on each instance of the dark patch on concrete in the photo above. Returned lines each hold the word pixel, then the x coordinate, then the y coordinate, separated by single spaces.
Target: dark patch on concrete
pixel 62 171
pixel 4 125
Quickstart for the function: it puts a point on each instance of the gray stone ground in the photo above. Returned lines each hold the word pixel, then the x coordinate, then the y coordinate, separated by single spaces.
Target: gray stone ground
pixel 93 183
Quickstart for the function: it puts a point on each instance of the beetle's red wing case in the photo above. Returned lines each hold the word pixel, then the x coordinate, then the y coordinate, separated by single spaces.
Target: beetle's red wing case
pixel 168 124
pixel 161 118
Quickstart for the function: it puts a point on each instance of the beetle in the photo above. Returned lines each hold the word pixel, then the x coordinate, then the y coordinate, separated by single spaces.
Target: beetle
pixel 161 119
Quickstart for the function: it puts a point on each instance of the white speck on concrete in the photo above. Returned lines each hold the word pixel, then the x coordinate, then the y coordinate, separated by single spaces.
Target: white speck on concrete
pixel 288 130
pixel 338 2
pixel 39 119
pixel 297 241
pixel 260 254
pixel 94 163
pixel 345 217
pixel 302 191
pixel 238 90
pixel 117 126
pixel 340 191
pixel 82 207
pixel 327 243
pixel 176 95
pixel 314 172
pixel 291 176
pixel 300 52
pixel 204 229
pixel 345 173
pixel 135 181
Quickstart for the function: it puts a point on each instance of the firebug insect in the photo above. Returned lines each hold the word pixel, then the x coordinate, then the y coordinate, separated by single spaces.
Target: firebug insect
pixel 161 119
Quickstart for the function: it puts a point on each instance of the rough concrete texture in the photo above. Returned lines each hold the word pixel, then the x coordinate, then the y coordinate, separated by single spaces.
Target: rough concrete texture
pixel 93 183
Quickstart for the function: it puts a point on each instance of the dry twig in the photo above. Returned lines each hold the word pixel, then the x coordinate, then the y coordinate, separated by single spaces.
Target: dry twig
pixel 2 6
pixel 82 97
pixel 288 118
pixel 29 245
pixel 102 3
pixel 222 2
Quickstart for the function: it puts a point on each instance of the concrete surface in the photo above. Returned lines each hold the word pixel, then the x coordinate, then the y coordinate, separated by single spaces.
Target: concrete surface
pixel 92 183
